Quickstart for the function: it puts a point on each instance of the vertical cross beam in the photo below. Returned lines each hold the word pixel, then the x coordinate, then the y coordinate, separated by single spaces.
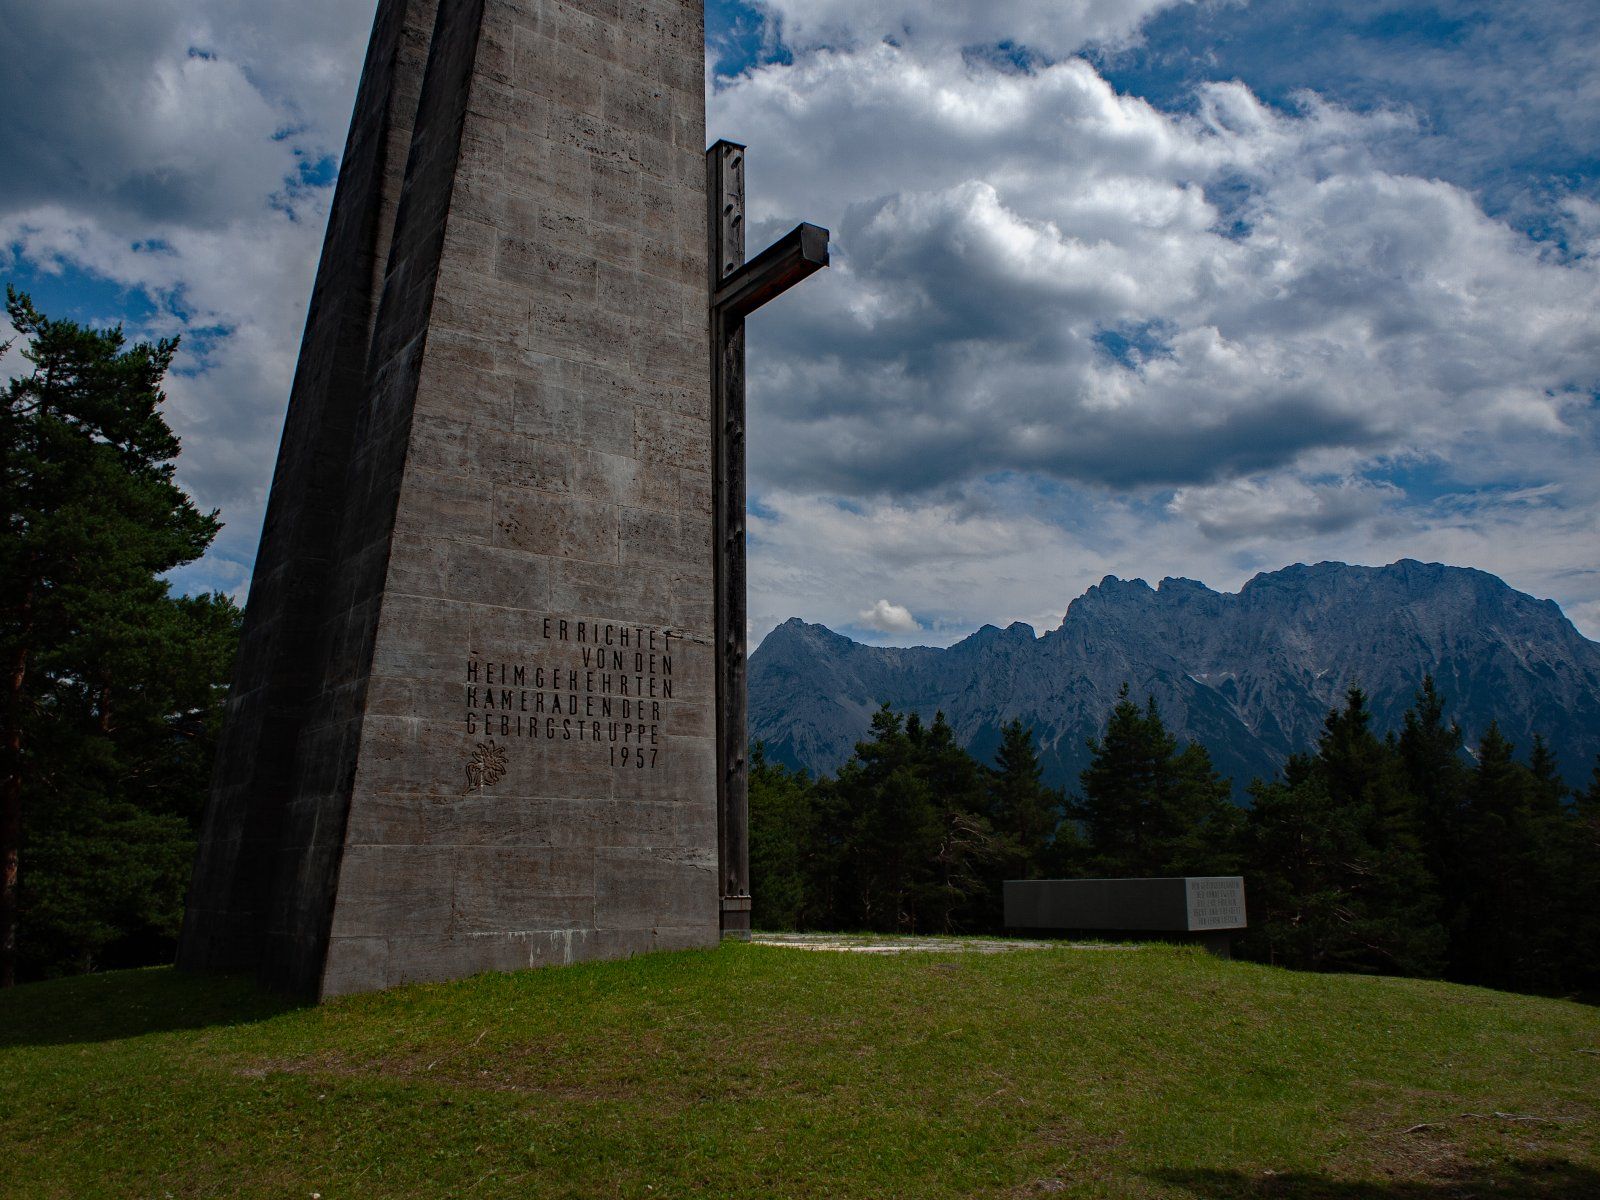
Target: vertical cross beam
pixel 738 288
pixel 725 196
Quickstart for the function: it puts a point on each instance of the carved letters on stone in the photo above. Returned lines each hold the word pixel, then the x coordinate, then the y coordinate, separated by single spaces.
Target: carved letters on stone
pixel 1216 903
pixel 602 688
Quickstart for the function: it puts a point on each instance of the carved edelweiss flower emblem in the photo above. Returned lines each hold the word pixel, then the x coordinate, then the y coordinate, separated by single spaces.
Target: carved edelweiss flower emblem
pixel 487 766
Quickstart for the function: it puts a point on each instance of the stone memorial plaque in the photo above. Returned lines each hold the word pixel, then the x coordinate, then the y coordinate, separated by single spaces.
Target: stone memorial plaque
pixel 473 725
pixel 1216 902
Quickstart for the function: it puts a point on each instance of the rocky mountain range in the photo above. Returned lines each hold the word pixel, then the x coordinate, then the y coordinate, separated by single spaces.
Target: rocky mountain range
pixel 1250 675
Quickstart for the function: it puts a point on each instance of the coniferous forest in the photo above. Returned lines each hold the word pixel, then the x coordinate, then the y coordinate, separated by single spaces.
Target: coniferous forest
pixel 1399 853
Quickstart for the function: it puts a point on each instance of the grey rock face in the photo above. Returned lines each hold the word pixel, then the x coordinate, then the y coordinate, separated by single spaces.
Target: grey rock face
pixel 1250 675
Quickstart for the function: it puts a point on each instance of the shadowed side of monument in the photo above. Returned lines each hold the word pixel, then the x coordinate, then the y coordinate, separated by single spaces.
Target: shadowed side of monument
pixel 278 670
pixel 508 754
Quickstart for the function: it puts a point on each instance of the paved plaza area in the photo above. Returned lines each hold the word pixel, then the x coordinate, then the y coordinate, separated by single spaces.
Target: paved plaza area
pixel 864 943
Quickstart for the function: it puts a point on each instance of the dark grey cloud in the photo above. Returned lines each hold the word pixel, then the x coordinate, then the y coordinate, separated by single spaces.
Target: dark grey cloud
pixel 1502 93
pixel 1049 27
pixel 901 435
pixel 171 112
pixel 964 329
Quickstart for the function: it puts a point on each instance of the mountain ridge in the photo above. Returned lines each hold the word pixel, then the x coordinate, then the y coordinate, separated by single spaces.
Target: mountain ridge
pixel 1250 674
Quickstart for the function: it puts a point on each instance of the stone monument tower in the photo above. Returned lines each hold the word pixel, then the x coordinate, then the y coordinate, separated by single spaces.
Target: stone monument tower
pixel 473 724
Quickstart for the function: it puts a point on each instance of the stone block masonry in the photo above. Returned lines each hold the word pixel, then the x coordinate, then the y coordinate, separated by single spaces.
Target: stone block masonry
pixel 473 724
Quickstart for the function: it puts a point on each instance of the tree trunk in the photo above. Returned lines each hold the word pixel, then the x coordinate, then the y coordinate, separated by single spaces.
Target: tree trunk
pixel 11 798
pixel 11 818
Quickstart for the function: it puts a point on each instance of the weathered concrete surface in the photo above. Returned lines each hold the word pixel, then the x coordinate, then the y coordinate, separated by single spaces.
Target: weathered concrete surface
pixel 278 672
pixel 507 755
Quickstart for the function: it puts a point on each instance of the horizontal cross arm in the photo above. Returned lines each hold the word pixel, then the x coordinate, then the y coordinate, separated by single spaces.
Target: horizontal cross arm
pixel 801 252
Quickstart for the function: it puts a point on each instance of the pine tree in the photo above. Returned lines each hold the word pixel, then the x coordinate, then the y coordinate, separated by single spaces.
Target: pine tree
pixel 1396 927
pixel 93 520
pixel 1021 807
pixel 1436 776
pixel 1583 961
pixel 1509 858
pixel 1149 809
pixel 125 768
pixel 782 812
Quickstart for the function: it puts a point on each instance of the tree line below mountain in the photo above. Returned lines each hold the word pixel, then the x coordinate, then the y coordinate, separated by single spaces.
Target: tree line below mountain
pixel 1249 675
pixel 1389 855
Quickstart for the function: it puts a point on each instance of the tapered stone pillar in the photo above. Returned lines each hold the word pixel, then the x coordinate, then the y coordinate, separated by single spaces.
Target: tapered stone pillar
pixel 278 670
pixel 473 725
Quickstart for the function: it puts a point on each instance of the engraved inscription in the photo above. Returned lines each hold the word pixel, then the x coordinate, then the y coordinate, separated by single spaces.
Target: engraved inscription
pixel 599 685
pixel 1216 903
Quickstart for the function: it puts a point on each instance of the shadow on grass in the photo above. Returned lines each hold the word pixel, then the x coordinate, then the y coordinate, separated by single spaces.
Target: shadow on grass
pixel 128 1004
pixel 1512 1179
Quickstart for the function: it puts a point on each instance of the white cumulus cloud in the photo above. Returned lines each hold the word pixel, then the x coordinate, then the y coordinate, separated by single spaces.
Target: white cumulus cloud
pixel 1210 341
pixel 889 618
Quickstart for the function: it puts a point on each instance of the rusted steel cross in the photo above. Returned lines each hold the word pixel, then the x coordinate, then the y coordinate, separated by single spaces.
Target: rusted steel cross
pixel 738 288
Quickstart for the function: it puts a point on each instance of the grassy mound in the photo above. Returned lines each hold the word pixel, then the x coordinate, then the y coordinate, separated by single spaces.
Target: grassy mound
pixel 763 1072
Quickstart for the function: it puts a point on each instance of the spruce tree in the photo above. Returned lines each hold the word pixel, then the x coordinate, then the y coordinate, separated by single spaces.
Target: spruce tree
pixel 1148 808
pixel 1436 775
pixel 1337 872
pixel 781 817
pixel 1584 953
pixel 1203 826
pixel 1022 808
pixel 1506 929
pixel 1394 898
pixel 955 892
pixel 891 826
pixel 899 839
pixel 1118 801
pixel 93 520
pixel 1299 845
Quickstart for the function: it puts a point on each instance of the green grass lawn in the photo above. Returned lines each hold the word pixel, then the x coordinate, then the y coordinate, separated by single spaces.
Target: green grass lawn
pixel 754 1071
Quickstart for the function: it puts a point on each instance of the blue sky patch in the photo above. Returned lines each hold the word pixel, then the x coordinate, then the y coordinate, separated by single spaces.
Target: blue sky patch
pixel 69 293
pixel 737 39
pixel 1136 342
pixel 1489 95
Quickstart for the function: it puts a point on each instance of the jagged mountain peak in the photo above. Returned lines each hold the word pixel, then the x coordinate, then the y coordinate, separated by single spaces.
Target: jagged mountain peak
pixel 1251 674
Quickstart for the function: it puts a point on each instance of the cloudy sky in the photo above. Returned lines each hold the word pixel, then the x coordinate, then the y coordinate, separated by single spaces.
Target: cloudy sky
pixel 1131 287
